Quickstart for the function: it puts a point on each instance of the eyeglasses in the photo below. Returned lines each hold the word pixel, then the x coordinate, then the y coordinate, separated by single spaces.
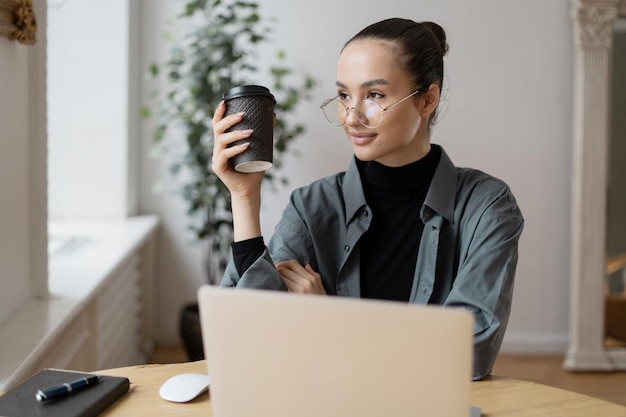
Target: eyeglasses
pixel 368 112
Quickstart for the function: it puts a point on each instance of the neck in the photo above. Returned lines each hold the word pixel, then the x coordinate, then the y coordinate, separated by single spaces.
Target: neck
pixel 414 154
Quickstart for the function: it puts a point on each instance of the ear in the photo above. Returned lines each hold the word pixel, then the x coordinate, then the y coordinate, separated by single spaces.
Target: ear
pixel 430 100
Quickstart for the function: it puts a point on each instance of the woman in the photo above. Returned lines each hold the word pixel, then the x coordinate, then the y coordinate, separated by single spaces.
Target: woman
pixel 402 223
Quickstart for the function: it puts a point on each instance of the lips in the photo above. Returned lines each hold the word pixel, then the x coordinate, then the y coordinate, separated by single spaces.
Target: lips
pixel 361 139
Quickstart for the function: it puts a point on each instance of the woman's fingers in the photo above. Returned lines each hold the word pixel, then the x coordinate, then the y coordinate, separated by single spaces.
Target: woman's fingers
pixel 298 278
pixel 222 151
pixel 219 113
pixel 227 152
pixel 309 268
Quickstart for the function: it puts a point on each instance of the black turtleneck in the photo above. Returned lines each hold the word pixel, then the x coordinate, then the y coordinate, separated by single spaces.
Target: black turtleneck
pixel 389 248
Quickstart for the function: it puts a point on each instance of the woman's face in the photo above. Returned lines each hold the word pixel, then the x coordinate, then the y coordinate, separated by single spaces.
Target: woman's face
pixel 368 69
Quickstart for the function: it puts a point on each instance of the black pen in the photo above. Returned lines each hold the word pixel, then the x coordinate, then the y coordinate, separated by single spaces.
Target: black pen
pixel 66 388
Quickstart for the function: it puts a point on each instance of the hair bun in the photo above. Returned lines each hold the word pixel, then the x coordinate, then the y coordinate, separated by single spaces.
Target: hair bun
pixel 439 34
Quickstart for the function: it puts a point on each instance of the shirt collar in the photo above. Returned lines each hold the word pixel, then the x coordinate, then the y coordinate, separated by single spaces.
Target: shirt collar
pixel 442 191
pixel 353 190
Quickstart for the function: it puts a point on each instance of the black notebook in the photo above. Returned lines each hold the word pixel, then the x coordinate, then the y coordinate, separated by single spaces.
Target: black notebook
pixel 88 402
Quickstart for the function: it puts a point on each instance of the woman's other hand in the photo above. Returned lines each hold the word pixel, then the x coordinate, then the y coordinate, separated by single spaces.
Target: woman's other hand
pixel 300 279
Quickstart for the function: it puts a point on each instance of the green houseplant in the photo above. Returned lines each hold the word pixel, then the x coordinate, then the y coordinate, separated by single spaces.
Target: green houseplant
pixel 218 49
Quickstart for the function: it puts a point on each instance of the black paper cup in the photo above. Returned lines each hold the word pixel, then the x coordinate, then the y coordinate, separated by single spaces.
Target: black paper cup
pixel 257 103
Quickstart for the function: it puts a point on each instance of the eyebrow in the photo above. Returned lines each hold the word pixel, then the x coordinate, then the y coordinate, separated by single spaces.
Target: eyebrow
pixel 370 83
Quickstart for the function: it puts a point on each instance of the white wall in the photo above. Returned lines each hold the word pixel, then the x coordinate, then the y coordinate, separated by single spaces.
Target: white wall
pixel 179 270
pixel 506 110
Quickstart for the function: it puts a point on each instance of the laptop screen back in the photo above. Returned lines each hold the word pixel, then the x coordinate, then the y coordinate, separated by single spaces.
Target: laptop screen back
pixel 273 354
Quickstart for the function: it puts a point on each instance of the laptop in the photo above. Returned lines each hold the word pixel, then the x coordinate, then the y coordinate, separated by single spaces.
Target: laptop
pixel 277 354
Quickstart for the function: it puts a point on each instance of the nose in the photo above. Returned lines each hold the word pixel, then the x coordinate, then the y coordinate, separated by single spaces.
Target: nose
pixel 351 117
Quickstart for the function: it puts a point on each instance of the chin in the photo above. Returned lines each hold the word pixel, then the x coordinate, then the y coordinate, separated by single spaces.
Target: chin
pixel 364 156
pixel 365 153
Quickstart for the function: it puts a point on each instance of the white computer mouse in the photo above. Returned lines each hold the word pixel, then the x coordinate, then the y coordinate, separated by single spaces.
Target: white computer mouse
pixel 184 387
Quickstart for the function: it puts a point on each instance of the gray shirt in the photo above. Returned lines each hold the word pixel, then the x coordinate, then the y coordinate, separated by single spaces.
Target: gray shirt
pixel 472 226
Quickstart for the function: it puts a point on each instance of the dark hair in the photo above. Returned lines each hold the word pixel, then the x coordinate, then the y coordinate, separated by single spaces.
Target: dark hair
pixel 419 47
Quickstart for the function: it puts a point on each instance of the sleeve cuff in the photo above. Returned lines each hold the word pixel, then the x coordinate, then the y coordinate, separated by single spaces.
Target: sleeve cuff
pixel 247 251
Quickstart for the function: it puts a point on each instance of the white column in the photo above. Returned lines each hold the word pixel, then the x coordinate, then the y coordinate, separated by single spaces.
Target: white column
pixel 593 25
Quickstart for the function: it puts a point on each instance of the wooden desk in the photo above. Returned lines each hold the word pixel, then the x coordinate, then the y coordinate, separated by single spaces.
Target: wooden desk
pixel 496 396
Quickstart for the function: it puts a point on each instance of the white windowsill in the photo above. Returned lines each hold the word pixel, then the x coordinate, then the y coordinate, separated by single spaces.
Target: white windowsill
pixel 76 276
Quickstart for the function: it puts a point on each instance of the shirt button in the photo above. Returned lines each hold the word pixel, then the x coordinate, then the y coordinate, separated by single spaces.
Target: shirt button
pixel 346 248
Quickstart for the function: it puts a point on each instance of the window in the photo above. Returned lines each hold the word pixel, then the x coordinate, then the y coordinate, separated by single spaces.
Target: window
pixel 88 96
